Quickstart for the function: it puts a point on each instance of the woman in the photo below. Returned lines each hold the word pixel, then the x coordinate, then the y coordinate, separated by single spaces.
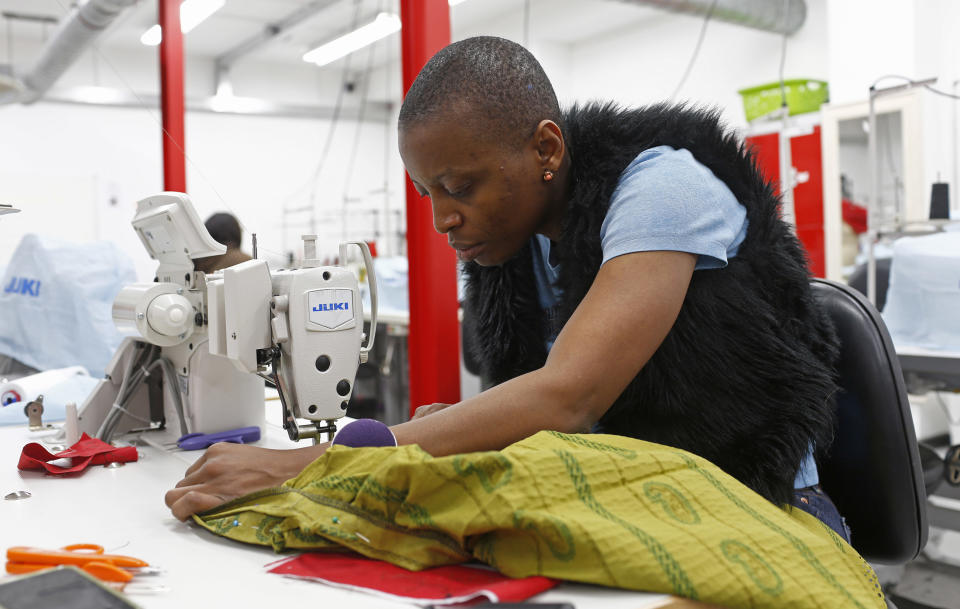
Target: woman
pixel 628 272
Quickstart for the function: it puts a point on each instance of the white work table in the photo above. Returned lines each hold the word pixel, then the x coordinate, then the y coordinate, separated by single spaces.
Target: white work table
pixel 931 364
pixel 122 509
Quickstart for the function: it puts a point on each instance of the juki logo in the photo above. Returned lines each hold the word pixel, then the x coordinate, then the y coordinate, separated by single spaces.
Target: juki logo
pixel 22 285
pixel 331 309
pixel 333 306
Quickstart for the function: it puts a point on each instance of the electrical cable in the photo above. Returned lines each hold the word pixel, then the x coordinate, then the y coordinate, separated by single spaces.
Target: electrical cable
pixel 128 389
pixel 783 57
pixel 912 82
pixel 334 120
pixel 122 405
pixel 128 386
pixel 170 376
pixel 361 113
pixel 696 49
pixel 939 92
pixel 128 370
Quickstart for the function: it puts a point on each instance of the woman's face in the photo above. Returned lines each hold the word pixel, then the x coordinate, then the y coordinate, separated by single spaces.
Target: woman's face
pixel 488 196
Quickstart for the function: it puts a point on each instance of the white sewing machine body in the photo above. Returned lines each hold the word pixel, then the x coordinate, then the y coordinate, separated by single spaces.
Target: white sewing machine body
pixel 220 335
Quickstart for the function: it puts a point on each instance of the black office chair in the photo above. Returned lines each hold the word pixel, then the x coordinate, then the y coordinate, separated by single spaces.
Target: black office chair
pixel 858 280
pixel 873 472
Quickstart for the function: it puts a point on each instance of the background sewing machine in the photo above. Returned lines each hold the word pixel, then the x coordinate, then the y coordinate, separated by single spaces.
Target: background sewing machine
pixel 203 344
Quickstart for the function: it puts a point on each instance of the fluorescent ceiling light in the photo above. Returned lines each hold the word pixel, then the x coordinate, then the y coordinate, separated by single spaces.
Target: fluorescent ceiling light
pixel 192 14
pixel 226 101
pixel 98 95
pixel 240 105
pixel 152 36
pixel 381 27
pixel 455 2
pixel 225 89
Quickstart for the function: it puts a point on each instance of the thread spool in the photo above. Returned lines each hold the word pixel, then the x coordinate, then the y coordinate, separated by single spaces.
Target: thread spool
pixel 70 426
pixel 365 432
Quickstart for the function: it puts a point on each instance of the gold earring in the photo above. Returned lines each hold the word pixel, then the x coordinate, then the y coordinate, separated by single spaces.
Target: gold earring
pixel 547 175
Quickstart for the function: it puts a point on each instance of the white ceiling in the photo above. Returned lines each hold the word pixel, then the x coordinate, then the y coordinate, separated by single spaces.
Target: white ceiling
pixel 568 21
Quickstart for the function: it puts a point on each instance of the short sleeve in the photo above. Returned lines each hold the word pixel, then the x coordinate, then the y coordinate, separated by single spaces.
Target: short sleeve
pixel 667 200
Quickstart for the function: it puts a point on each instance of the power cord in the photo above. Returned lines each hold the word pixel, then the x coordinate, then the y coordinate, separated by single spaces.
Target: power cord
pixel 696 50
pixel 912 82
pixel 783 57
pixel 334 121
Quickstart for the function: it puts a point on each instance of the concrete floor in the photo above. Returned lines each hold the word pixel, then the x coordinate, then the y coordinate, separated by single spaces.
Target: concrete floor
pixel 932 581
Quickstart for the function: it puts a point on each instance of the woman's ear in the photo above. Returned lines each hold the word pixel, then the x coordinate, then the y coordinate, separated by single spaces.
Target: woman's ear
pixel 549 143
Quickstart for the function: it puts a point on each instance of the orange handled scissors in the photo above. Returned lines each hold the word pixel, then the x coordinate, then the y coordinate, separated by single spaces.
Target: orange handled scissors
pixel 87 556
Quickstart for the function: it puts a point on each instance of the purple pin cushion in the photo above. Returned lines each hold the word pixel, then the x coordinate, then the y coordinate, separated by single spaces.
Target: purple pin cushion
pixel 365 432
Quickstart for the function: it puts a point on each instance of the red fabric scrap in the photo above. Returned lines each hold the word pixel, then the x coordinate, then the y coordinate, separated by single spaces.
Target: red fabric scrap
pixel 438 585
pixel 855 215
pixel 86 452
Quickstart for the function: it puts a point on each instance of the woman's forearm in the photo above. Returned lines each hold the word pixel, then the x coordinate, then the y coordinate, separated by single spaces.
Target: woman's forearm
pixel 496 418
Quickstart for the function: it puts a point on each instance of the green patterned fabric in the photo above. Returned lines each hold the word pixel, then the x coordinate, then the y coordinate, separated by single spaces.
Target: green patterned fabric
pixel 600 509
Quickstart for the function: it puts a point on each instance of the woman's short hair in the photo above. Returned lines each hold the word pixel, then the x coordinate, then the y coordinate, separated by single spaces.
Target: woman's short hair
pixel 494 83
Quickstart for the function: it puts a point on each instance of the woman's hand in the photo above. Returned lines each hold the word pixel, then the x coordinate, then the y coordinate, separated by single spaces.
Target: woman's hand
pixel 227 471
pixel 428 409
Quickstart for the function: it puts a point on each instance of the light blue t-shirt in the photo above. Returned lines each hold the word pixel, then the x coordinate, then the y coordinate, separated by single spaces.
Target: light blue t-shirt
pixel 665 200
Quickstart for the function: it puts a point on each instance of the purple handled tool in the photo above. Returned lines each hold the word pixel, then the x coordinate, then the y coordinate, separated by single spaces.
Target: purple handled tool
pixel 197 441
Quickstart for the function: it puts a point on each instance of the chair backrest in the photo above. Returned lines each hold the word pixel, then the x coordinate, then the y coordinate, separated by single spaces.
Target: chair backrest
pixel 858 280
pixel 873 471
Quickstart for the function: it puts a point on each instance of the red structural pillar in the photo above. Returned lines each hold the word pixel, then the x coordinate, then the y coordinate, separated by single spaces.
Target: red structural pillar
pixel 171 96
pixel 434 339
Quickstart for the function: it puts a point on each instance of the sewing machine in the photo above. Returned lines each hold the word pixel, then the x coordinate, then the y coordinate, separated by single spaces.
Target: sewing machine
pixel 213 338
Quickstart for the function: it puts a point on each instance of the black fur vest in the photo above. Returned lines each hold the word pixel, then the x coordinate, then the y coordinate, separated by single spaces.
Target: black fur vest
pixel 745 376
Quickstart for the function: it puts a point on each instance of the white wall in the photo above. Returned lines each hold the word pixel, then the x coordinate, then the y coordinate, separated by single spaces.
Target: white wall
pixel 938 55
pixel 62 165
pixel 641 65
pixel 77 171
pixel 108 158
pixel 868 39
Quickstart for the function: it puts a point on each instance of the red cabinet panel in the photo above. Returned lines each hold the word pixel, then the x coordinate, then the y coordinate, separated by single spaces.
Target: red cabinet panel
pixel 807 194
